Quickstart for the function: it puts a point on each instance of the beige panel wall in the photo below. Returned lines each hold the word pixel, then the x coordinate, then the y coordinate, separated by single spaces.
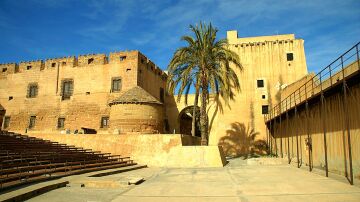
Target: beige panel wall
pixel 166 150
pixel 333 120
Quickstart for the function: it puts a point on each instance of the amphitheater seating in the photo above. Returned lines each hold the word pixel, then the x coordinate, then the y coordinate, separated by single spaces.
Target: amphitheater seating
pixel 25 159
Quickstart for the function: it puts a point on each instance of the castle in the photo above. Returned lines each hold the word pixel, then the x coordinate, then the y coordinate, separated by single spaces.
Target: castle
pixel 125 92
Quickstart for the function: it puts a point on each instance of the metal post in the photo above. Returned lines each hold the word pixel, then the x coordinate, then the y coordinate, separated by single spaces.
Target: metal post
pixel 357 55
pixel 347 122
pixel 276 153
pixel 330 75
pixel 271 152
pixel 287 128
pixel 280 132
pixel 324 128
pixel 309 142
pixel 297 140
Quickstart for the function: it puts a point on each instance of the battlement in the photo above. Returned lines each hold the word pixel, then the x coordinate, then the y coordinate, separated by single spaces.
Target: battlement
pixel 31 65
pixel 92 59
pixel 57 62
pixel 9 68
pixel 232 37
pixel 81 61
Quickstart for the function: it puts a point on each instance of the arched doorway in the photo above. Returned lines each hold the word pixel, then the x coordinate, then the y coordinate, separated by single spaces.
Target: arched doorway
pixel 185 121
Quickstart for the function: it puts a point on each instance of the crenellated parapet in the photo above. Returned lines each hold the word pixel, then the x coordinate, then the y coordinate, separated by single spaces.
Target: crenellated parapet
pixel 9 68
pixel 123 56
pixel 82 61
pixel 92 59
pixel 60 62
pixel 35 65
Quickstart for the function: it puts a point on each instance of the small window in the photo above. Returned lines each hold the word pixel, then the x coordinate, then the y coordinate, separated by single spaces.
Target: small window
pixel 263 97
pixel 61 123
pixel 162 93
pixel 6 122
pixel 265 109
pixel 289 56
pixel 260 83
pixel 91 60
pixel 32 90
pixel 128 69
pixel 32 121
pixel 116 84
pixel 4 69
pixel 67 89
pixel 142 61
pixel 87 93
pixel 11 97
pixel 53 64
pixel 104 122
pixel 63 63
pixel 122 58
pixel 28 67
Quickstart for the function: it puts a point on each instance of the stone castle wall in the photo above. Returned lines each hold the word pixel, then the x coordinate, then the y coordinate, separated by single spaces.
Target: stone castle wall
pixel 91 75
pixel 263 58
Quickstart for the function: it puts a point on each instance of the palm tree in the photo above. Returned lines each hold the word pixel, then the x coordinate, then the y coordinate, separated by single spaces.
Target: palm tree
pixel 205 63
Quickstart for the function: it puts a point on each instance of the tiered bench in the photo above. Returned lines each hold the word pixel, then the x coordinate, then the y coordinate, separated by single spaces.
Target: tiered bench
pixel 25 159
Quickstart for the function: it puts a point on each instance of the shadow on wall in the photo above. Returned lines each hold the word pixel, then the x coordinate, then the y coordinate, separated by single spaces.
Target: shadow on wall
pixel 241 141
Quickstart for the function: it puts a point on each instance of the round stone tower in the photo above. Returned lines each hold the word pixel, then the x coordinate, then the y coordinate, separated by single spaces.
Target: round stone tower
pixel 136 111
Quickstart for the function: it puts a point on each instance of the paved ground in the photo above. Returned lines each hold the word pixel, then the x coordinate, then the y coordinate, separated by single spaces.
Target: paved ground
pixel 235 182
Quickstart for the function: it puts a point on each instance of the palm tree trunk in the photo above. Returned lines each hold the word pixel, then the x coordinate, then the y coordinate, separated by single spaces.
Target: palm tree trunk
pixel 203 115
pixel 193 124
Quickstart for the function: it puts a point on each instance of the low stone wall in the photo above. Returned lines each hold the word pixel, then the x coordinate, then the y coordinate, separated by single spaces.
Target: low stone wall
pixel 160 150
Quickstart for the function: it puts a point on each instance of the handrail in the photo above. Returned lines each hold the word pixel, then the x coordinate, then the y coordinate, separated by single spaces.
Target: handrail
pixel 324 75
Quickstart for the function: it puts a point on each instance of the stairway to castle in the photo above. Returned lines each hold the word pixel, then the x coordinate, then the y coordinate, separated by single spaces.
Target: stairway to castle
pixel 25 159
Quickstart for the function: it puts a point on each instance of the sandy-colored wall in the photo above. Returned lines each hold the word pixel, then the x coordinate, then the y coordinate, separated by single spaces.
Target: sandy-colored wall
pixel 265 59
pixel 143 117
pixel 91 93
pixel 336 134
pixel 160 150
pixel 239 126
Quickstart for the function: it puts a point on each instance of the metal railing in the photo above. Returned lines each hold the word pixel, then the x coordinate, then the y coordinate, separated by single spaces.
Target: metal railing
pixel 327 77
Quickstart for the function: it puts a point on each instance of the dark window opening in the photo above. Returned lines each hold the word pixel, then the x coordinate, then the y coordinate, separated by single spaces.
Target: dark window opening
pixel 11 97
pixel 116 85
pixel 6 122
pixel 32 90
pixel 4 69
pixel 63 63
pixel 32 121
pixel 122 58
pixel 263 96
pixel 53 64
pixel 265 109
pixel 142 61
pixel 61 123
pixel 162 93
pixel 128 69
pixel 166 125
pixel 87 93
pixel 67 89
pixel 90 61
pixel 28 67
pixel 260 83
pixel 104 122
pixel 289 56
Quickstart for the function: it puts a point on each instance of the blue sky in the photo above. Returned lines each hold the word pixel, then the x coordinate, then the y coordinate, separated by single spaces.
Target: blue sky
pixel 41 29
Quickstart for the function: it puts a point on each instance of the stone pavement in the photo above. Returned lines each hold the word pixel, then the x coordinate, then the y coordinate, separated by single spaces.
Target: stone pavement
pixel 235 182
